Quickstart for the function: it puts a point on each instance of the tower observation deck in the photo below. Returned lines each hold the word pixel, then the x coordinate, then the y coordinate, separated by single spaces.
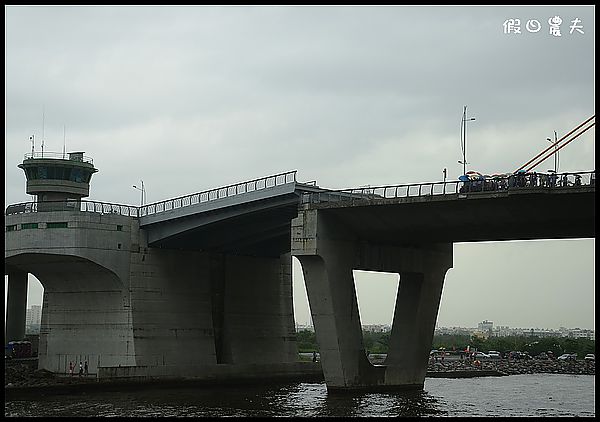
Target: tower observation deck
pixel 58 177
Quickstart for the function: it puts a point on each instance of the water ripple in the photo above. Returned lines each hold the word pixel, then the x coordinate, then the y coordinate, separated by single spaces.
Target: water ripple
pixel 515 395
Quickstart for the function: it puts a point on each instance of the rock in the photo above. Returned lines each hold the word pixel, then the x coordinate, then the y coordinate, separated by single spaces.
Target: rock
pixel 42 373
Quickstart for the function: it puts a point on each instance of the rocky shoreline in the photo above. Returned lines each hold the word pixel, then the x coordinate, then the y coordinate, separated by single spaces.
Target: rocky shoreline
pixel 516 367
pixel 23 375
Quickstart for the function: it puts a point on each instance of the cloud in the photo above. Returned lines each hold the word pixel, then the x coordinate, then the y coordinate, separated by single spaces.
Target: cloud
pixel 189 98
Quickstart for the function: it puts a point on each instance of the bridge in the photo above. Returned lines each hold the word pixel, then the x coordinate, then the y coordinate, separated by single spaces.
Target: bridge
pixel 200 286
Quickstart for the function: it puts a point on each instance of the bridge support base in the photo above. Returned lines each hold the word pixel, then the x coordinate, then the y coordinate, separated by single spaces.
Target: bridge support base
pixel 16 305
pixel 327 263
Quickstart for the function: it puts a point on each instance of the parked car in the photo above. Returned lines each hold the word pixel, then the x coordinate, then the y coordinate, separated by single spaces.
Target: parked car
pixel 519 355
pixel 542 356
pixel 494 354
pixel 590 356
pixel 481 355
pixel 568 356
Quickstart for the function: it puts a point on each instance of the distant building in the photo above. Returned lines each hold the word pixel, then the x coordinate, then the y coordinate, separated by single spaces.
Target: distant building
pixel 581 333
pixel 456 331
pixel 304 327
pixel 485 326
pixel 485 329
pixel 502 331
pixel 376 328
pixel 33 315
pixel 33 319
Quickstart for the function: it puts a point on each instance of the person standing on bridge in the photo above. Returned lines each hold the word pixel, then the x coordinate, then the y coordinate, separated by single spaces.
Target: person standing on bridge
pixel 80 369
pixel 85 367
pixel 71 368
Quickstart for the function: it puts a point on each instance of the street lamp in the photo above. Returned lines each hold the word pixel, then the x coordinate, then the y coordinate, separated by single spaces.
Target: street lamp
pixel 143 190
pixel 555 152
pixel 463 130
pixel 445 173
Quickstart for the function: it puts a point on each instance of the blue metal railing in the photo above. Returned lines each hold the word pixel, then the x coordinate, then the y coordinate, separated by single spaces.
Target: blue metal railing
pixel 259 184
pixel 513 182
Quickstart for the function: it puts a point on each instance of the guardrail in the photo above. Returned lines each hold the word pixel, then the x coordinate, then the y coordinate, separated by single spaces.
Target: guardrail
pixel 219 193
pixel 150 209
pixel 357 195
pixel 517 181
pixel 83 206
pixel 62 156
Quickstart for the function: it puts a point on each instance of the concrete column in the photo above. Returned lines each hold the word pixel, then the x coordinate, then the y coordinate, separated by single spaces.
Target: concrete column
pixel 415 314
pixel 327 263
pixel 334 309
pixel 16 307
pixel 329 252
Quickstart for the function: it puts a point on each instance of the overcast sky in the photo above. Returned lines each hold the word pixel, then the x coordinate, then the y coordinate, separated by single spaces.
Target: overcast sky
pixel 192 97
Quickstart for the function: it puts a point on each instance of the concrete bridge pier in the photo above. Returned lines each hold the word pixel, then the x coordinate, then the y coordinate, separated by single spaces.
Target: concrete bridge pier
pixel 415 314
pixel 329 251
pixel 16 306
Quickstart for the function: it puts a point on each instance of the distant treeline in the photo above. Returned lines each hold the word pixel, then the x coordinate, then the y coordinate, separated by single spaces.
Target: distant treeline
pixel 378 343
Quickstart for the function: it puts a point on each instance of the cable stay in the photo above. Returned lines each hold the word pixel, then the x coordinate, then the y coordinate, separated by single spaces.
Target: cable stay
pixel 554 148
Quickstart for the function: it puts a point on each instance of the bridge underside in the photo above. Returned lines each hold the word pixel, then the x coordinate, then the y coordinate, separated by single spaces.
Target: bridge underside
pixel 257 229
pixel 476 217
pixel 412 237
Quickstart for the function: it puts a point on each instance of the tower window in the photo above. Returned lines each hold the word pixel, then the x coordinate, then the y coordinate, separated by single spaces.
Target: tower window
pixel 76 175
pixel 61 225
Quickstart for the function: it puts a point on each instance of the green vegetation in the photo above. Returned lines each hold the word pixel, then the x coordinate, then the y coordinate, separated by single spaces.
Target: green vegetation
pixel 307 341
pixel 531 344
pixel 378 343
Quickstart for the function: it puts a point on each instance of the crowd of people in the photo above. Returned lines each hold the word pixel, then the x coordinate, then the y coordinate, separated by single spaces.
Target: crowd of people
pixel 476 182
pixel 83 368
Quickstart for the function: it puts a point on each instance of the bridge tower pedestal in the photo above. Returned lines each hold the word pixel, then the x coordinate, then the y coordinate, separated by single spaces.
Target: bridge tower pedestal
pixel 329 252
pixel 16 306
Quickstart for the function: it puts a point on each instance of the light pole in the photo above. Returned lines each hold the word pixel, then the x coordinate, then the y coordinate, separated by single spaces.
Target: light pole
pixel 555 152
pixel 143 190
pixel 463 140
pixel 445 173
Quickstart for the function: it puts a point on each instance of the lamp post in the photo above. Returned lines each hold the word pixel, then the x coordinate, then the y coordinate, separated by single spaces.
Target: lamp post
pixel 143 190
pixel 445 173
pixel 555 152
pixel 463 130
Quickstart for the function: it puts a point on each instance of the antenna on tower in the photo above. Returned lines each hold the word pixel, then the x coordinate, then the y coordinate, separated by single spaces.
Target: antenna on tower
pixel 31 138
pixel 43 131
pixel 64 140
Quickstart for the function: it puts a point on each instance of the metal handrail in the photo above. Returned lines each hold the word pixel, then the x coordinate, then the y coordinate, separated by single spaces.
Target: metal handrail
pixel 140 211
pixel 219 193
pixel 59 155
pixel 513 182
pixel 83 206
pixel 357 195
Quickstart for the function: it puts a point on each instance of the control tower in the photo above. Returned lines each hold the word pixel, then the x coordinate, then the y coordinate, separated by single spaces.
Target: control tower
pixel 57 178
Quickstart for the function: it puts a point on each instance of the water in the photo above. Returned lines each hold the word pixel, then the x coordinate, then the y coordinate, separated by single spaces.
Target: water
pixel 515 395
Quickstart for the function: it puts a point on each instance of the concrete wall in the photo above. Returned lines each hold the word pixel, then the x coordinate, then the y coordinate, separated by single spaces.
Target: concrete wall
pixel 293 370
pixel 84 269
pixel 172 315
pixel 112 301
pixel 194 308
pixel 258 320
